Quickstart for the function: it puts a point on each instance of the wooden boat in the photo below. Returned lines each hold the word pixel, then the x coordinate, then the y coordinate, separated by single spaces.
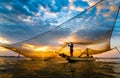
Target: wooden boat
pixel 75 59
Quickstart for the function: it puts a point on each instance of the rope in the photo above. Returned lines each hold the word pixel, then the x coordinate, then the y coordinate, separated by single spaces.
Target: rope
pixel 117 50
pixel 114 22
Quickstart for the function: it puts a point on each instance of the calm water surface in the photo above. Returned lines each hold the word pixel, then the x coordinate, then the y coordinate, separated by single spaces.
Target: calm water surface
pixel 11 67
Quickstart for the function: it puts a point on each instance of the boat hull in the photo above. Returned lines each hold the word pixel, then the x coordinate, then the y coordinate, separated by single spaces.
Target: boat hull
pixel 75 59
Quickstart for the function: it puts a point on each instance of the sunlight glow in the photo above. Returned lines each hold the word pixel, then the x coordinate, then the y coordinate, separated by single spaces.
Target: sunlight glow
pixel 72 38
pixel 37 48
pixel 28 46
pixel 43 48
pixel 2 49
pixel 4 40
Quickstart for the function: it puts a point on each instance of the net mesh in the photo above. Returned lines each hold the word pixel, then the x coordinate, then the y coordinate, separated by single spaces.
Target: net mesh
pixel 90 29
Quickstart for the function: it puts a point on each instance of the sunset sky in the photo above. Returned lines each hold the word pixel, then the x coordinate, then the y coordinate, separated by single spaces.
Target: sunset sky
pixel 24 19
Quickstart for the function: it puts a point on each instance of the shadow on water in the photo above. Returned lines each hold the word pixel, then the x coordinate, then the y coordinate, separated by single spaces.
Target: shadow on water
pixel 55 69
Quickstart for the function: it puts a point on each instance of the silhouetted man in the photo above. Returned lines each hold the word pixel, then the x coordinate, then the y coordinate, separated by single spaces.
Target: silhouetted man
pixel 71 49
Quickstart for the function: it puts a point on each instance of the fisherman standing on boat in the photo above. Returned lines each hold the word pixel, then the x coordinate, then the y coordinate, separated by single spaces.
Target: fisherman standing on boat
pixel 71 49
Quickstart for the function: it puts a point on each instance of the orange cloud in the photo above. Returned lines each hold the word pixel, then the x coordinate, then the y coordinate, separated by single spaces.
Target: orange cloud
pixel 99 7
pixel 112 8
pixel 107 15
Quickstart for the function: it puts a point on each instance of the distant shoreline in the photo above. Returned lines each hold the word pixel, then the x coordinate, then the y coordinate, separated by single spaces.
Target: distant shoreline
pixel 107 57
pixel 94 57
pixel 14 56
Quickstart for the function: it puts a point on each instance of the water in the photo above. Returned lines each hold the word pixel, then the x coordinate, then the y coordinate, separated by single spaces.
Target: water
pixel 11 67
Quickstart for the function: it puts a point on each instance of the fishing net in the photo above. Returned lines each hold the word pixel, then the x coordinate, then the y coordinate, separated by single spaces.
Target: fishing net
pixel 90 29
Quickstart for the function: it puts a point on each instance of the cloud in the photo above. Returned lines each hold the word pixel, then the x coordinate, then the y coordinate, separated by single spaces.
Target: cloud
pixel 91 2
pixel 113 8
pixel 47 13
pixel 80 9
pixel 78 5
pixel 71 1
pixel 34 16
pixel 9 7
pixel 4 40
pixel 27 19
pixel 73 7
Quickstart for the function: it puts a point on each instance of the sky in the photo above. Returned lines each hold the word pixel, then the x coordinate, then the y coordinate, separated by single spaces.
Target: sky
pixel 24 19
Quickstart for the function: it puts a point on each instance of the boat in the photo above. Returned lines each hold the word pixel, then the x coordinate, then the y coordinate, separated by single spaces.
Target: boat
pixel 76 59
pixel 72 58
pixel 89 31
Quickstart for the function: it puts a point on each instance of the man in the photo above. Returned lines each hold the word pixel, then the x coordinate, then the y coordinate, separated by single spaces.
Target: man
pixel 71 49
